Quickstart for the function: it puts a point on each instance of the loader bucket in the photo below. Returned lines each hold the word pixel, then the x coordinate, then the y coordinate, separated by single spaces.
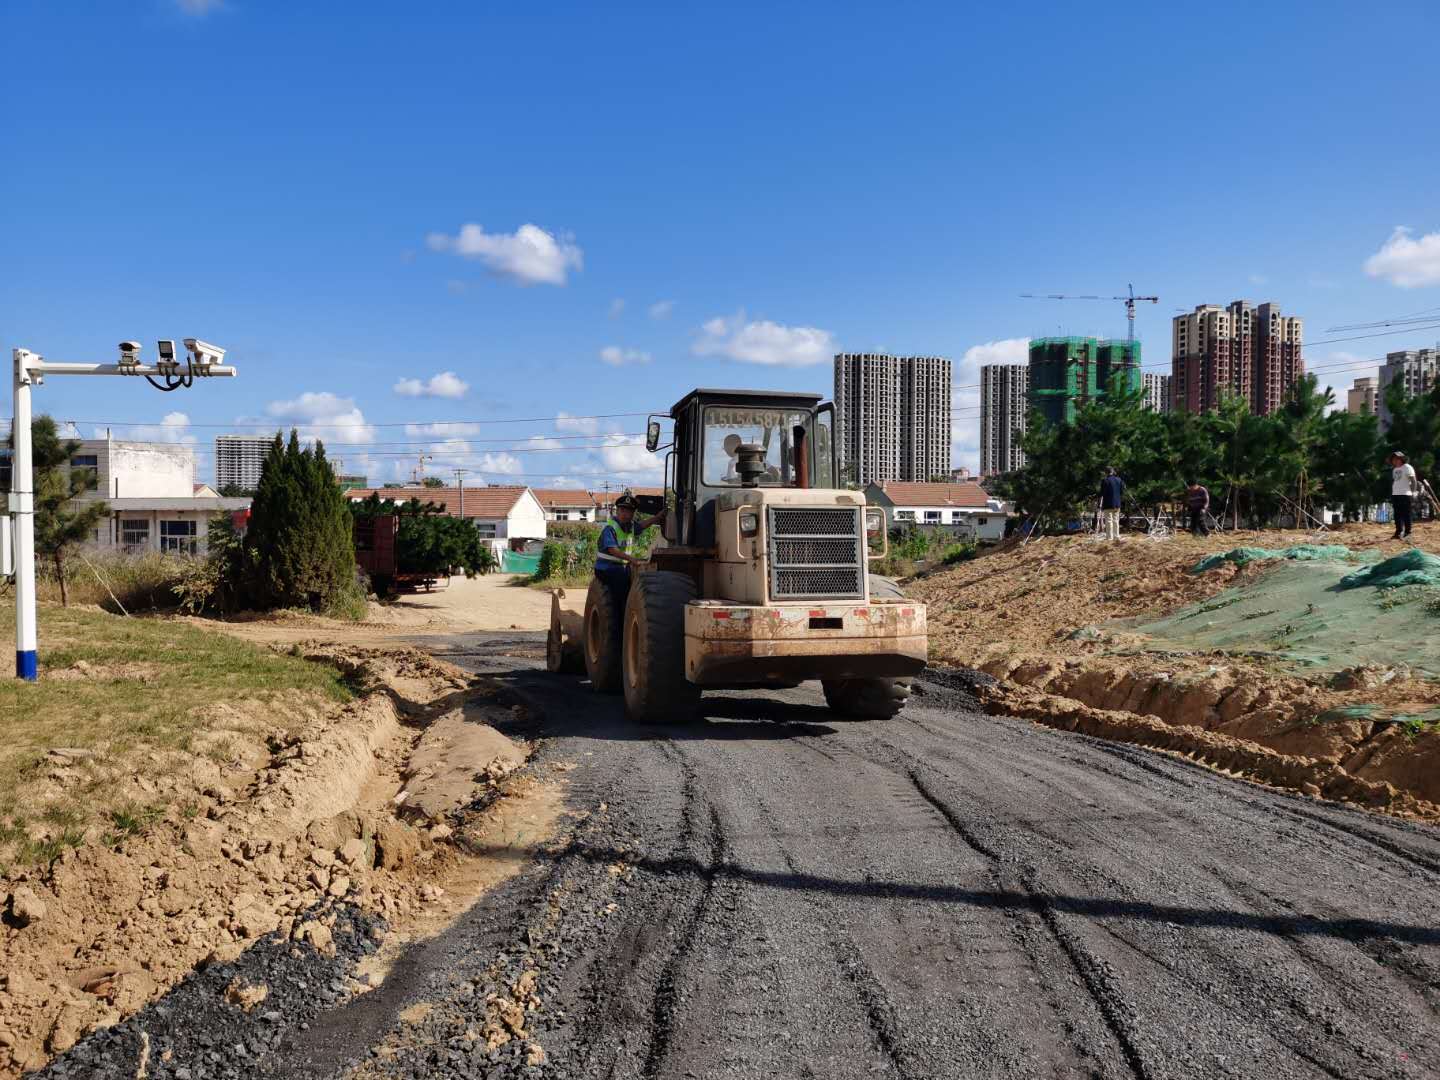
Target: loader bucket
pixel 564 642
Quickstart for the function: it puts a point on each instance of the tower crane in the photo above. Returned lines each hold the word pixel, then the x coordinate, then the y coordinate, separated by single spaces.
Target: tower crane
pixel 1130 301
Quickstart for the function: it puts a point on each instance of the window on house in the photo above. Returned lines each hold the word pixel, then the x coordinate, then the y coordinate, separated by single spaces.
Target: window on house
pixel 904 515
pixel 932 516
pixel 179 537
pixel 486 529
pixel 134 533
pixel 87 466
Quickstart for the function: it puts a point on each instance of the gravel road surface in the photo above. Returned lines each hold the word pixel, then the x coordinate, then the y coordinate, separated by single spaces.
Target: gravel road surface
pixel 773 892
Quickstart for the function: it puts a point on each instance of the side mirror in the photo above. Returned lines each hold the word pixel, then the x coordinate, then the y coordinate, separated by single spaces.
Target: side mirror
pixel 652 435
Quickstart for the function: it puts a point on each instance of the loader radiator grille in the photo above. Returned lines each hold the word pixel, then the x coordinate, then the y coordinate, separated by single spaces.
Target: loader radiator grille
pixel 816 553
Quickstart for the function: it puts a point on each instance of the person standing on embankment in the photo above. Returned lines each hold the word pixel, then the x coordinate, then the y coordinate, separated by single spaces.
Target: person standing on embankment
pixel 1111 489
pixel 1403 489
pixel 1197 501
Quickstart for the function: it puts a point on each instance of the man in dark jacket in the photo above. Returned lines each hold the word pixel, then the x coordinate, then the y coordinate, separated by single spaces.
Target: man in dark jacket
pixel 1197 501
pixel 1111 489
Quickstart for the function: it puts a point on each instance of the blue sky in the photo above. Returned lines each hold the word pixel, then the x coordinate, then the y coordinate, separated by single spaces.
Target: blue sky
pixel 422 214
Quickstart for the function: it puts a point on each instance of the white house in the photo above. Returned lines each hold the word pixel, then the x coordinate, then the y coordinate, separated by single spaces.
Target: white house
pixel 964 507
pixel 510 517
pixel 155 504
pixel 566 505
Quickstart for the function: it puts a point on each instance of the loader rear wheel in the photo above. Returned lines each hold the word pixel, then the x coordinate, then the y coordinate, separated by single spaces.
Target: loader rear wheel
pixel 602 637
pixel 869 699
pixel 656 689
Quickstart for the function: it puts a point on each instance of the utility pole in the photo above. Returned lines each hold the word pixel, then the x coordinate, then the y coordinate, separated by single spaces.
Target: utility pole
pixel 419 474
pixel 204 360
pixel 460 483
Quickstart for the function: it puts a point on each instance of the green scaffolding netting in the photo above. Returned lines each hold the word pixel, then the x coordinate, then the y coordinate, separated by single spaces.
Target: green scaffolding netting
pixel 512 562
pixel 1303 552
pixel 1318 612
pixel 1414 567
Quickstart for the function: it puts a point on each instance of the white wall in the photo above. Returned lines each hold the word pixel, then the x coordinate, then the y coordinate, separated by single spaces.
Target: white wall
pixel 572 513
pixel 146 471
pixel 112 528
pixel 526 520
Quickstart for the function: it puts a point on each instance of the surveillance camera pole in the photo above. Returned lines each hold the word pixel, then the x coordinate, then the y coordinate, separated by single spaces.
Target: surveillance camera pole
pixel 30 370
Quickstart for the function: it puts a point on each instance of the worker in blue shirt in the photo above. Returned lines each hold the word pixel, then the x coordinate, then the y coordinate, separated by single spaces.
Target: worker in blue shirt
pixel 615 553
pixel 1111 490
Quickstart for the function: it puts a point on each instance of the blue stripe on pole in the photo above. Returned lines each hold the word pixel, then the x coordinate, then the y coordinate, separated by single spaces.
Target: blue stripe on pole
pixel 26 665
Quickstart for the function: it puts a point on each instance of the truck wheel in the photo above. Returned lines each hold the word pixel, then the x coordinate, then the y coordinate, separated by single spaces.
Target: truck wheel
pixel 656 689
pixel 870 699
pixel 602 639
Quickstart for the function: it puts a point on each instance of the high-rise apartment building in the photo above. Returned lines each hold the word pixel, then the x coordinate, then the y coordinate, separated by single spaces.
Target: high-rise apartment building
pixel 1249 351
pixel 1068 372
pixel 892 416
pixel 1158 395
pixel 1417 370
pixel 239 458
pixel 1003 405
pixel 1363 396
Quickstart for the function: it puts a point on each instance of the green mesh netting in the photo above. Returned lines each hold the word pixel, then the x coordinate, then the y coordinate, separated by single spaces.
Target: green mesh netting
pixel 1413 567
pixel 512 562
pixel 1311 614
pixel 1302 552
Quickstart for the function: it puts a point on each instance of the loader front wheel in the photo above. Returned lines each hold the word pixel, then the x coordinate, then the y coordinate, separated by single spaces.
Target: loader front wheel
pixel 602 637
pixel 656 690
pixel 868 699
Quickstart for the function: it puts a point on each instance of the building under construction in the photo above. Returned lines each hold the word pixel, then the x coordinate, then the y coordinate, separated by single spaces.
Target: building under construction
pixel 1068 372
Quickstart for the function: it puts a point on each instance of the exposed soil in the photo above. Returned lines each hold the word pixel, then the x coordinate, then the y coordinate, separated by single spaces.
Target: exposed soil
pixel 1056 616
pixel 271 849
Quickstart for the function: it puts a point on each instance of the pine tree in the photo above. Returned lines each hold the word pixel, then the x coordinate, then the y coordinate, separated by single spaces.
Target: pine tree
pixel 60 524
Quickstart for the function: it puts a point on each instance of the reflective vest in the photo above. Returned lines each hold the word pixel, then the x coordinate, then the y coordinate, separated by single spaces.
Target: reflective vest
pixel 626 543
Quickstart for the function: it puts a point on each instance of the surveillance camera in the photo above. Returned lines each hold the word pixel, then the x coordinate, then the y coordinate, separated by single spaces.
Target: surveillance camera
pixel 165 350
pixel 204 355
pixel 129 350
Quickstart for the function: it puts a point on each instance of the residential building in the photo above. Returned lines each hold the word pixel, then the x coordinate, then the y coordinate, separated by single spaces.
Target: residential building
pixel 1004 404
pixel 348 481
pixel 1253 352
pixel 892 416
pixel 960 474
pixel 1158 395
pixel 965 507
pixel 239 459
pixel 1069 372
pixel 509 517
pixel 1417 370
pixel 155 503
pixel 1364 396
pixel 566 504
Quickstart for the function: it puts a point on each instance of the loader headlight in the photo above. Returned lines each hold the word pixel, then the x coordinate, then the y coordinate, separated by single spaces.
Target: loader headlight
pixel 749 524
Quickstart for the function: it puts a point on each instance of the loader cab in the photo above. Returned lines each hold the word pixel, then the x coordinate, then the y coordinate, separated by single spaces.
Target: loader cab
pixel 795 433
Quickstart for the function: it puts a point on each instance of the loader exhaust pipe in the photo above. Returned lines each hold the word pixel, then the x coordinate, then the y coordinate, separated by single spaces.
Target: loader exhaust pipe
pixel 750 464
pixel 802 458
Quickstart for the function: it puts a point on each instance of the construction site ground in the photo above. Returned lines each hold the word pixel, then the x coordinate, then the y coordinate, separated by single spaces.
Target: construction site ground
pixel 765 890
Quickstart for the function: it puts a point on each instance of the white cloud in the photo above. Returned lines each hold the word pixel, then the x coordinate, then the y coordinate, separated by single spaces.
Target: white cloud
pixel 528 256
pixel 616 307
pixel 444 385
pixel 442 430
pixel 174 427
pixel 580 425
pixel 764 342
pixel 661 309
pixel 544 442
pixel 501 463
pixel 615 356
pixel 1406 261
pixel 627 454
pixel 199 7
pixel 325 416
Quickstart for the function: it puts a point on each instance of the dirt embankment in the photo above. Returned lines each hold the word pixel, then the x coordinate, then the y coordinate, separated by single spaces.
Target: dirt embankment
pixel 342 805
pixel 1056 622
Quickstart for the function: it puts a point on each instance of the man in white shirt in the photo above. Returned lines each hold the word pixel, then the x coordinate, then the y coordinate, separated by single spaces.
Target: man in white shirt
pixel 1403 488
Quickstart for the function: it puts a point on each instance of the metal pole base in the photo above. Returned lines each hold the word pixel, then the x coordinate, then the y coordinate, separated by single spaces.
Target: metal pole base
pixel 27 665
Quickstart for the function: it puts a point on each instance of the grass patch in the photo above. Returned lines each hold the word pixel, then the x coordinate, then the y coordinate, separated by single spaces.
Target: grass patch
pixel 125 695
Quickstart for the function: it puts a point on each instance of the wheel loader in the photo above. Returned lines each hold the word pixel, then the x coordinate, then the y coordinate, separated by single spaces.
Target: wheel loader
pixel 762 576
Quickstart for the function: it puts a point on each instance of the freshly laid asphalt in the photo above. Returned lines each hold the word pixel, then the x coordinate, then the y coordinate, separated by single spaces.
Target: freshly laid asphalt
pixel 772 891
